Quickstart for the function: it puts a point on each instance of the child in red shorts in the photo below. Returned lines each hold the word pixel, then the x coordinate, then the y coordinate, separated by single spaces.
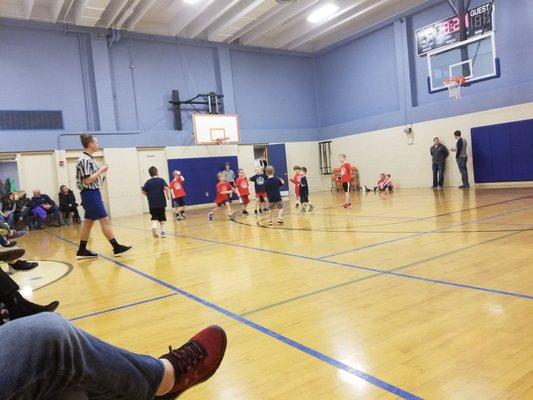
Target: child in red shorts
pixel 224 190
pixel 243 191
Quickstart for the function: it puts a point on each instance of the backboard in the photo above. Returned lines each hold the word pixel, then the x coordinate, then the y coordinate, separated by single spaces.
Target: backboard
pixel 216 128
pixel 475 59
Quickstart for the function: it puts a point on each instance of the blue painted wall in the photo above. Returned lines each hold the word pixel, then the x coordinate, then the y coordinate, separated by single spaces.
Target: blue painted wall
pixel 371 82
pixel 359 80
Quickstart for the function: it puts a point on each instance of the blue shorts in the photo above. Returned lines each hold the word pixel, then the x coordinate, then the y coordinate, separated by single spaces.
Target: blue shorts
pixel 91 200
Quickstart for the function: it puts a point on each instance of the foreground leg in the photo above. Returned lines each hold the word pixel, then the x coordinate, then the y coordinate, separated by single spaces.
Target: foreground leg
pixel 52 356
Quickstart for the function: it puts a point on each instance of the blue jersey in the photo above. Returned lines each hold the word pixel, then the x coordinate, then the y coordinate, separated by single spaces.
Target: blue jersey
pixel 272 186
pixel 155 191
pixel 259 181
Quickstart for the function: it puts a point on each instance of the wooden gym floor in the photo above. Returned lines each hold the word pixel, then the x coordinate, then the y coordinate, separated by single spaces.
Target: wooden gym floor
pixel 420 294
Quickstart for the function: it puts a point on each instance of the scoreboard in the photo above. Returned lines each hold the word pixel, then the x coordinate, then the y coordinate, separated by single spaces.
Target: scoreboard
pixel 478 20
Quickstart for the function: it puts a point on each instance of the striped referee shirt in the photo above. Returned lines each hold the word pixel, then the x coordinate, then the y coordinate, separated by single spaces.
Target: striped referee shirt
pixel 85 167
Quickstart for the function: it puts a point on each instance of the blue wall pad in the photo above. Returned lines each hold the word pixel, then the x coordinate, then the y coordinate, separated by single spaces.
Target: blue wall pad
pixel 201 176
pixel 503 152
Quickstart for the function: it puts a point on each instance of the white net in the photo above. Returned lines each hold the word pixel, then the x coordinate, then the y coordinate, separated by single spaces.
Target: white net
pixel 454 86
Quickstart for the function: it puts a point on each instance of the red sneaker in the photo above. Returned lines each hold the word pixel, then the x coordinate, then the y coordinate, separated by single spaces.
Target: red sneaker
pixel 197 360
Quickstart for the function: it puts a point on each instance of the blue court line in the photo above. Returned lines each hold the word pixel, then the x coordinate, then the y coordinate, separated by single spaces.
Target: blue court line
pixel 122 307
pixel 422 233
pixel 347 283
pixel 275 335
pixel 347 265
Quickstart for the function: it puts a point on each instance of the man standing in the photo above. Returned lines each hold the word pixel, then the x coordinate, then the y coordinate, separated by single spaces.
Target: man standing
pixel 461 159
pixel 89 180
pixel 438 152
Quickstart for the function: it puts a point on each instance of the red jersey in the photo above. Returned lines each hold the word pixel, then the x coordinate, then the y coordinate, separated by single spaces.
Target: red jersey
pixel 176 185
pixel 296 180
pixel 242 186
pixel 222 187
pixel 346 172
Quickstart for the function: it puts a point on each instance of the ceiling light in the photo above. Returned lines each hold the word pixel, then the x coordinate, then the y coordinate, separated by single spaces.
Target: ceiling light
pixel 322 13
pixel 190 1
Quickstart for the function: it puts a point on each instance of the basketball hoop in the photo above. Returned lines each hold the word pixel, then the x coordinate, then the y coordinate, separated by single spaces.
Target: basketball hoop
pixel 454 84
pixel 221 140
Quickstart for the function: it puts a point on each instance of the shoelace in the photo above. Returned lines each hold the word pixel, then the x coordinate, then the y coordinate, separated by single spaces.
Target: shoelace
pixel 188 355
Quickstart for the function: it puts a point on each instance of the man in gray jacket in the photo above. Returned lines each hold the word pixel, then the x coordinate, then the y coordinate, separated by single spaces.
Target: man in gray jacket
pixel 461 158
pixel 438 152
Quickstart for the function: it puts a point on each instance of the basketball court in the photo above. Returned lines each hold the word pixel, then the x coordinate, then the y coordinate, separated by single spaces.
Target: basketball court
pixel 407 293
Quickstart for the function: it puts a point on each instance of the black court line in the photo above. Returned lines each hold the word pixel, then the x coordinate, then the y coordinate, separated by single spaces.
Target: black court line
pixel 370 269
pixel 421 234
pixel 262 329
pixel 347 283
pixel 392 223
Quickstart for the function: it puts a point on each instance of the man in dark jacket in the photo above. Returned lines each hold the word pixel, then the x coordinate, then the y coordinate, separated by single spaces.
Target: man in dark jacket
pixel 44 201
pixel 438 152
pixel 461 158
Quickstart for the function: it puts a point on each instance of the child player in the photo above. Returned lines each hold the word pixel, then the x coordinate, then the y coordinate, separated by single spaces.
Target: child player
pixel 224 190
pixel 272 186
pixel 178 195
pixel 157 192
pixel 259 180
pixel 345 179
pixel 243 191
pixel 304 191
pixel 296 181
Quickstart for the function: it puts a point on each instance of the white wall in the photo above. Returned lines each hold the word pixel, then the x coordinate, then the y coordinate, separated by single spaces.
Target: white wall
pixel 389 151
pixel 124 187
pixel 306 154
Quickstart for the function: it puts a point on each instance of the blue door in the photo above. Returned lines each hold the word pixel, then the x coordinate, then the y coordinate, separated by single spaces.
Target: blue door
pixel 278 159
pixel 201 176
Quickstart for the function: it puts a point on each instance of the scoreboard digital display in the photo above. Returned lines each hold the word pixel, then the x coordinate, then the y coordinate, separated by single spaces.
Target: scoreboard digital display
pixel 444 33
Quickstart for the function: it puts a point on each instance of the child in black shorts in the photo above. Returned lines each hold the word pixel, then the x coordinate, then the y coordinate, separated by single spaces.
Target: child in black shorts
pixel 157 192
pixel 272 186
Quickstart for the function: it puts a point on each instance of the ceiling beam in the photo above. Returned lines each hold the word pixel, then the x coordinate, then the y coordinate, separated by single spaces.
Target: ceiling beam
pixel 234 14
pixel 268 24
pixel 127 13
pixel 252 25
pixel 304 27
pixel 208 17
pixel 376 17
pixel 112 12
pixel 89 12
pixel 139 13
pixel 56 9
pixel 185 15
pixel 28 8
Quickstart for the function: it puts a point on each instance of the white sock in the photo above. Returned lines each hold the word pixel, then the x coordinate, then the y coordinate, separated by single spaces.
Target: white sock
pixel 154 224
pixel 163 224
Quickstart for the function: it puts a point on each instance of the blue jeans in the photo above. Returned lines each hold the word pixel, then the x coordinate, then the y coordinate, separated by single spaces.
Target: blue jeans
pixel 461 163
pixel 46 357
pixel 9 219
pixel 438 174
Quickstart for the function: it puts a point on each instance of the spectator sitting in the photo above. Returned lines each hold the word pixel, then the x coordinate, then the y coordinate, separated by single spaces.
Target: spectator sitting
pixel 23 210
pixel 387 184
pixel 67 204
pixel 8 209
pixel 381 182
pixel 44 202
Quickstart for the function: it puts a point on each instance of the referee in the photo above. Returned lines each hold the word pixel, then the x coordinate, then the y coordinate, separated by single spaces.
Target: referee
pixel 89 180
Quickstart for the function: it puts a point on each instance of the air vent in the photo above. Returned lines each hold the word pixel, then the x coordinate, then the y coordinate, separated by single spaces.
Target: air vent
pixel 30 120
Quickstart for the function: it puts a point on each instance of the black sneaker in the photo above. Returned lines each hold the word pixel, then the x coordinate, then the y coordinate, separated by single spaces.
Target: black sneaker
pixel 83 254
pixel 120 249
pixel 10 243
pixel 11 254
pixel 265 210
pixel 22 265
